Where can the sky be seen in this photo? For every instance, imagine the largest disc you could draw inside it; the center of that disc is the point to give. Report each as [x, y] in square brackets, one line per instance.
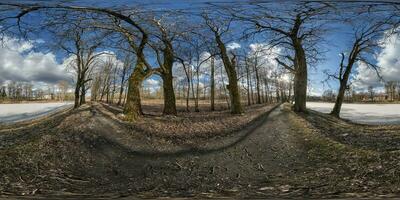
[31, 61]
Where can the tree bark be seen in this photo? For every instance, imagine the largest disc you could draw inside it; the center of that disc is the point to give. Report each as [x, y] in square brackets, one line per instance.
[343, 79]
[212, 85]
[196, 100]
[230, 68]
[188, 83]
[248, 85]
[121, 91]
[169, 94]
[83, 95]
[257, 84]
[133, 108]
[77, 92]
[339, 100]
[300, 79]
[168, 86]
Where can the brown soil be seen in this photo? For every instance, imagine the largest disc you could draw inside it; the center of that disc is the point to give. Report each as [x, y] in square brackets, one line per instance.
[90, 153]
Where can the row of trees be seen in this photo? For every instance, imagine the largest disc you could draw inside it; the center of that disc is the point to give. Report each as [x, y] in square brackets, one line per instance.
[18, 91]
[391, 93]
[159, 40]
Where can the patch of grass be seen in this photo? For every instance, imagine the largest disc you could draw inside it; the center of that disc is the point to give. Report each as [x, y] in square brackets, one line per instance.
[344, 167]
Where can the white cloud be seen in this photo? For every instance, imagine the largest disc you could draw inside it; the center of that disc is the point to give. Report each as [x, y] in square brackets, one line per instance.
[389, 59]
[152, 83]
[389, 62]
[19, 62]
[233, 45]
[365, 77]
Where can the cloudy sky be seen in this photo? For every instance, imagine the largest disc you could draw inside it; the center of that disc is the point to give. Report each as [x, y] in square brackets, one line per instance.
[388, 59]
[21, 61]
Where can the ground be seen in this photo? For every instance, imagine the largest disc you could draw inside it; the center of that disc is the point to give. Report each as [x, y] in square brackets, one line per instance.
[90, 152]
[376, 114]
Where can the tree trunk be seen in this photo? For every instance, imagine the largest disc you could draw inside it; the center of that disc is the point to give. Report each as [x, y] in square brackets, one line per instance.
[188, 85]
[196, 100]
[290, 92]
[339, 100]
[83, 95]
[300, 79]
[77, 92]
[230, 68]
[212, 86]
[226, 99]
[133, 106]
[188, 96]
[258, 86]
[169, 94]
[267, 100]
[251, 90]
[166, 75]
[121, 91]
[342, 89]
[248, 85]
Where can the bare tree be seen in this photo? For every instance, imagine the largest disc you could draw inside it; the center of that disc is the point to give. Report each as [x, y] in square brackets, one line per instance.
[371, 93]
[63, 89]
[218, 27]
[123, 73]
[296, 28]
[390, 87]
[80, 42]
[367, 38]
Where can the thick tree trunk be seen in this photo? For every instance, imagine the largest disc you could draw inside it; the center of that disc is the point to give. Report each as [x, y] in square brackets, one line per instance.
[230, 68]
[83, 95]
[169, 94]
[236, 107]
[212, 85]
[166, 75]
[300, 89]
[133, 106]
[300, 79]
[223, 87]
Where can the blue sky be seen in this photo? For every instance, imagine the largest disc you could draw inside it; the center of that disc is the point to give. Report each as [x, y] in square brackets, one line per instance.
[336, 41]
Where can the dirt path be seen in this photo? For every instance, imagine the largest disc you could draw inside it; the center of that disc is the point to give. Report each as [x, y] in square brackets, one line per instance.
[282, 155]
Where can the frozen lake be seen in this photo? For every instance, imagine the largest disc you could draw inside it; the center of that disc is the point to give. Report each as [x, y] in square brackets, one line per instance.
[363, 113]
[27, 111]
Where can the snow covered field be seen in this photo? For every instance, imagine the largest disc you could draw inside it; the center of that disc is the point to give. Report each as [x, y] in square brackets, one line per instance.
[27, 111]
[363, 113]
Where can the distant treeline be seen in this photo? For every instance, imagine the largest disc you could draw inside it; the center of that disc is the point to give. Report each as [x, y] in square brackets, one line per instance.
[23, 91]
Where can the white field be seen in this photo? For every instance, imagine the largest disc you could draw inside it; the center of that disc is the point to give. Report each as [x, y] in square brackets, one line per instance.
[363, 113]
[27, 111]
